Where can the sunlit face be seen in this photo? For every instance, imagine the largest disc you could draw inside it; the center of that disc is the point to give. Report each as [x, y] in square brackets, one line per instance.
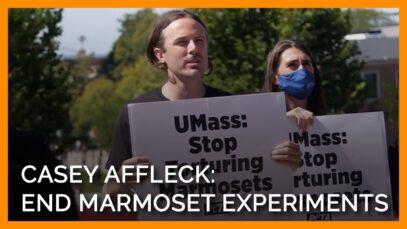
[291, 60]
[185, 49]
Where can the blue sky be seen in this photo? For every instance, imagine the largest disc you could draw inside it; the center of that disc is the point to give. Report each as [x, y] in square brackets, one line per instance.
[100, 27]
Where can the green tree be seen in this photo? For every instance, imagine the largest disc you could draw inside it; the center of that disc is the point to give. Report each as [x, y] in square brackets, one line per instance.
[323, 32]
[38, 82]
[364, 19]
[137, 79]
[391, 104]
[79, 72]
[239, 40]
[132, 41]
[95, 111]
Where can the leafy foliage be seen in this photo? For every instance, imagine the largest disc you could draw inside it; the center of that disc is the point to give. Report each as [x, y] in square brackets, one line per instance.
[323, 32]
[79, 72]
[38, 82]
[95, 111]
[132, 42]
[364, 19]
[239, 40]
[137, 79]
[391, 104]
[41, 87]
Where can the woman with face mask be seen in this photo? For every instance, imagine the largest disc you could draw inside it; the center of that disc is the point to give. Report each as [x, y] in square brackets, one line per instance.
[291, 68]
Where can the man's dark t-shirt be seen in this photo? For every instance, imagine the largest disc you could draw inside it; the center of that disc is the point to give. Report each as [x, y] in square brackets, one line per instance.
[121, 147]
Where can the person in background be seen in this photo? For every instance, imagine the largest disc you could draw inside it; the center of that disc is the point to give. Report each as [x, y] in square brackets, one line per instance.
[291, 68]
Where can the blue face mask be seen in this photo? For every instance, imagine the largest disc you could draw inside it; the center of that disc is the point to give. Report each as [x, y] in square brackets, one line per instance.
[298, 84]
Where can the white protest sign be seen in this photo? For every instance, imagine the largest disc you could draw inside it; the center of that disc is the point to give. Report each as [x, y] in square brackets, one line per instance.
[344, 154]
[233, 134]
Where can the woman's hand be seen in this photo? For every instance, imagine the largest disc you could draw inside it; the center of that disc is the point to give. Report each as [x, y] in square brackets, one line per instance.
[303, 118]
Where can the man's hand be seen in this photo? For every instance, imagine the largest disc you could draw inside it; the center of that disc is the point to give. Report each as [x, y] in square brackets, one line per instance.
[288, 154]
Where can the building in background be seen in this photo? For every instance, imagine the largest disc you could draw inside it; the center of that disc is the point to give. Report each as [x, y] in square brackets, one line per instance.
[380, 50]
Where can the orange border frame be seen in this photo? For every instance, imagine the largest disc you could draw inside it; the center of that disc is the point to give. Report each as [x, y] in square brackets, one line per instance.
[5, 4]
